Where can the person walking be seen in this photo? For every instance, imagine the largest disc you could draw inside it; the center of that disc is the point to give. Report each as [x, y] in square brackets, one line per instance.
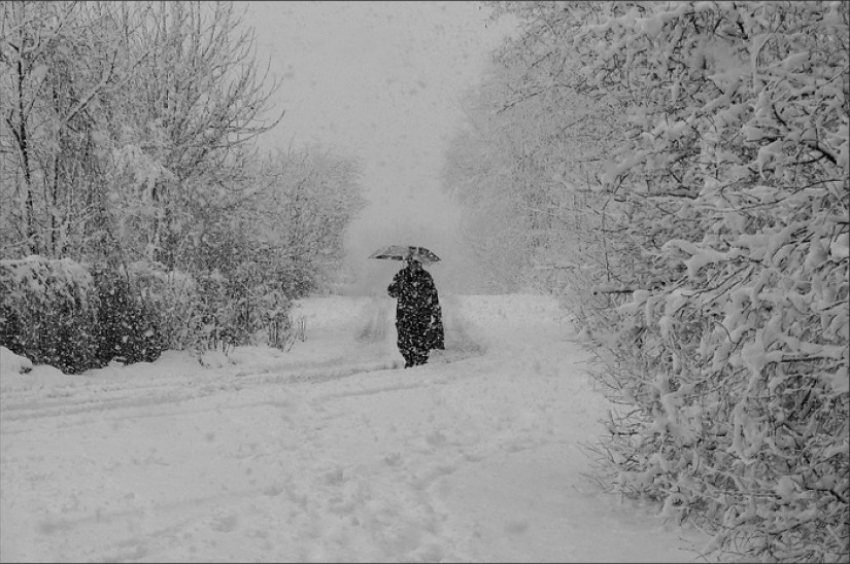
[419, 318]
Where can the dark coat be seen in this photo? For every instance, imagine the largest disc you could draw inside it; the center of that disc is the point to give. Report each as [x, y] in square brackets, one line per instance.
[419, 318]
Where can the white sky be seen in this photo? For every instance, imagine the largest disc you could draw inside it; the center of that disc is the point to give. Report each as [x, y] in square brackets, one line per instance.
[380, 81]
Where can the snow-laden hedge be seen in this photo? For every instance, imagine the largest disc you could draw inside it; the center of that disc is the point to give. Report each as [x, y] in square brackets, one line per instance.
[735, 369]
[48, 312]
[698, 154]
[738, 381]
[57, 312]
[61, 313]
[213, 311]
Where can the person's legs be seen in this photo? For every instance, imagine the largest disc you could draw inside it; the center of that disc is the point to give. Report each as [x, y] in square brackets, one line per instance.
[403, 342]
[411, 342]
[422, 342]
[411, 358]
[419, 356]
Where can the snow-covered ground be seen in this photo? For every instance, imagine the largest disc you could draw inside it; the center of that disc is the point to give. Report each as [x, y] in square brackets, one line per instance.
[328, 452]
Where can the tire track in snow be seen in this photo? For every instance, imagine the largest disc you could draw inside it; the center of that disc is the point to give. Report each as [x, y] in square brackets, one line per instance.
[76, 399]
[43, 406]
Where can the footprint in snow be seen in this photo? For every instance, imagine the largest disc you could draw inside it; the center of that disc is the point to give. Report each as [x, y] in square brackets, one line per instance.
[224, 523]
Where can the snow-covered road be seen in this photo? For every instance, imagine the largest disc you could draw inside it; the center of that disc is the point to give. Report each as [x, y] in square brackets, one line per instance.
[328, 452]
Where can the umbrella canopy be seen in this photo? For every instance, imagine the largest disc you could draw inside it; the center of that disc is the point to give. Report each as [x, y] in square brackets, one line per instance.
[405, 252]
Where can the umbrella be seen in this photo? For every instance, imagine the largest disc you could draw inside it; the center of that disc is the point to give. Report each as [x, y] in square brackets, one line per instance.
[404, 252]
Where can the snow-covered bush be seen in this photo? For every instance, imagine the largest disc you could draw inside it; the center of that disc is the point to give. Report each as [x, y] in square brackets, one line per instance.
[128, 325]
[48, 312]
[241, 310]
[272, 324]
[169, 295]
[216, 311]
[194, 311]
[260, 302]
[720, 265]
[56, 312]
[741, 374]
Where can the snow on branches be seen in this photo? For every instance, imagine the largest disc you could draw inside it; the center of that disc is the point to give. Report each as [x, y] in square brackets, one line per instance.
[733, 181]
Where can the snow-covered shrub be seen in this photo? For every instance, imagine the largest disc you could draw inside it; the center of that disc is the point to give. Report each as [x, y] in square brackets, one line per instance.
[738, 401]
[128, 325]
[259, 304]
[273, 325]
[739, 383]
[213, 311]
[48, 312]
[170, 296]
[194, 311]
[241, 310]
[723, 330]
[216, 314]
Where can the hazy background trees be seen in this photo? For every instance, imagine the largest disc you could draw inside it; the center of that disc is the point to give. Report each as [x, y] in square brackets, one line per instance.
[128, 138]
[312, 196]
[678, 174]
[527, 154]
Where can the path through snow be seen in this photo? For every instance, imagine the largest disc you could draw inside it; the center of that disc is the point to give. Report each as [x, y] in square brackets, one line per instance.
[330, 452]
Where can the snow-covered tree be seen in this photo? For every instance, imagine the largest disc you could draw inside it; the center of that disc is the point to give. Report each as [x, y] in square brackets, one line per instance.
[56, 67]
[181, 131]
